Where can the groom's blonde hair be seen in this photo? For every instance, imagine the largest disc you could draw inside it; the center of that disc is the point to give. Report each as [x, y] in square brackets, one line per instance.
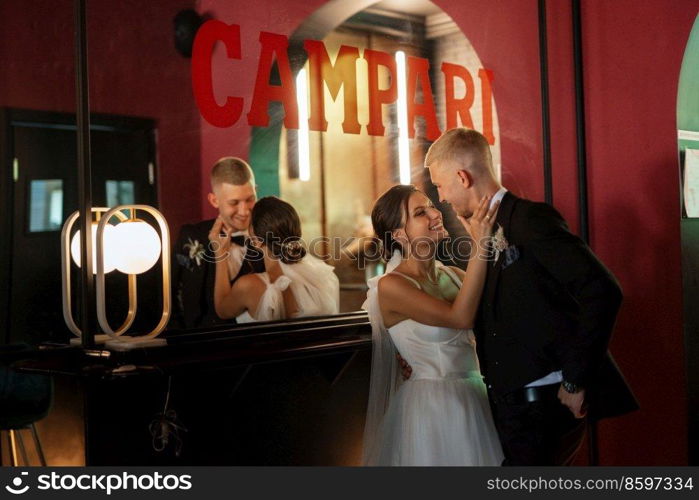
[454, 145]
[232, 170]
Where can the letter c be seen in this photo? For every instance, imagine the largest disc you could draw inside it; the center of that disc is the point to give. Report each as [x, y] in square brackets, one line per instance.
[209, 33]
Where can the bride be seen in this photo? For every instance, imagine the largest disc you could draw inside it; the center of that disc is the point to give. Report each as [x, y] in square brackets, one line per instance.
[294, 283]
[424, 311]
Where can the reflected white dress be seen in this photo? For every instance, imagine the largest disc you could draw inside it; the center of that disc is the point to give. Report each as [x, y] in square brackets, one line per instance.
[441, 414]
[315, 287]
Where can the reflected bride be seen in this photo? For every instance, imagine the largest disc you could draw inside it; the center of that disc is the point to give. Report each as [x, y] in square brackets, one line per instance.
[295, 283]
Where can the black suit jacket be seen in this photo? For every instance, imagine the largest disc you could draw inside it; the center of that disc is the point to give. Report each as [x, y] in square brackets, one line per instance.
[548, 304]
[193, 281]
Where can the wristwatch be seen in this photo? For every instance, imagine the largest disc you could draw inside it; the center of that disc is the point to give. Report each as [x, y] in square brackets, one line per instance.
[570, 387]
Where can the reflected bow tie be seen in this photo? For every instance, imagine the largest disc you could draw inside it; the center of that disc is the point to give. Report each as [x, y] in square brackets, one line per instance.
[239, 240]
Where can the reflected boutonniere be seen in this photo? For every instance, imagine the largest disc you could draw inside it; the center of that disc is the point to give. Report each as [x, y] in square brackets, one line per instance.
[196, 250]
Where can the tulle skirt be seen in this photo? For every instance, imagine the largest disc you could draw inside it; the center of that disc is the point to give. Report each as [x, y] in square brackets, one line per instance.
[439, 422]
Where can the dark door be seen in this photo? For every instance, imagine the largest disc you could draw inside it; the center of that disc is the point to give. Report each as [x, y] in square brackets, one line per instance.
[40, 176]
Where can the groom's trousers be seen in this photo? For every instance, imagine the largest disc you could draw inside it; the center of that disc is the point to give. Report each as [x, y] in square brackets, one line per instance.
[539, 432]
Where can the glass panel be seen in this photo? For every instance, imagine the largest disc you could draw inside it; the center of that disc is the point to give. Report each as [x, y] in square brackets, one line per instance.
[46, 205]
[330, 172]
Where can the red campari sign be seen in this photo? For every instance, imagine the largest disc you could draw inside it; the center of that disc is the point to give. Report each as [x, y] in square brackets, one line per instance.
[340, 74]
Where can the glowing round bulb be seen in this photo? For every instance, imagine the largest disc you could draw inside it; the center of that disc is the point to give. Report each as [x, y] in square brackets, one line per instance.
[138, 246]
[108, 238]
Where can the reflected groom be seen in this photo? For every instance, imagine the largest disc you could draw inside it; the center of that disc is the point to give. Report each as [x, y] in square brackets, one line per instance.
[233, 194]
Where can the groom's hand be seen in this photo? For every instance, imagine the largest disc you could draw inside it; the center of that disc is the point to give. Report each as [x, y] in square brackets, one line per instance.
[405, 368]
[574, 401]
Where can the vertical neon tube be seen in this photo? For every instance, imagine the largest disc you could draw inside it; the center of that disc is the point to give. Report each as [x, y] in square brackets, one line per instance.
[402, 107]
[304, 147]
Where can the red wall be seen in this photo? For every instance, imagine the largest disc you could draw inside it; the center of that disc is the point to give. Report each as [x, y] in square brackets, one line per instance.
[134, 70]
[36, 53]
[633, 53]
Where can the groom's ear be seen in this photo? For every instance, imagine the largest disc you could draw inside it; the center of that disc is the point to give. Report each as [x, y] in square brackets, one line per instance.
[465, 178]
[213, 200]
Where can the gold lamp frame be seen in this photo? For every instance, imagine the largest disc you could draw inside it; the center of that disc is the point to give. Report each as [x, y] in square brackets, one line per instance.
[67, 285]
[115, 338]
[118, 340]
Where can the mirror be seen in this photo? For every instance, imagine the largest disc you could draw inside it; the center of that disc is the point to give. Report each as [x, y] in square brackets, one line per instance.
[153, 143]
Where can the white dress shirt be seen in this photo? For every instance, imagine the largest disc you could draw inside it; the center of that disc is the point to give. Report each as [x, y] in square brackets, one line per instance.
[236, 254]
[497, 197]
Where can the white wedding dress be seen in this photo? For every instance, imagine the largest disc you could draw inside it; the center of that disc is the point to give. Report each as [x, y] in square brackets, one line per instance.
[315, 287]
[440, 415]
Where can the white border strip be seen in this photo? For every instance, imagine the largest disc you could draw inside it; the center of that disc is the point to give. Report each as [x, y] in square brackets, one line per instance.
[688, 135]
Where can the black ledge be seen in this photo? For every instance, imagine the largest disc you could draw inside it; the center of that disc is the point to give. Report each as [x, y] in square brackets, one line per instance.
[227, 346]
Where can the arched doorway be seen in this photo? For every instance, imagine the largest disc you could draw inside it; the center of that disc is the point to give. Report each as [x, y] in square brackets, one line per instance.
[345, 172]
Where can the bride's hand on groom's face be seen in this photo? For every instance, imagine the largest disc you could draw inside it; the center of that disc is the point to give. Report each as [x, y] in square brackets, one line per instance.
[220, 237]
[480, 224]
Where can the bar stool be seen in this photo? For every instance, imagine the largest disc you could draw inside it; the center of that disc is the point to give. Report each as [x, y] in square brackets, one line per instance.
[24, 400]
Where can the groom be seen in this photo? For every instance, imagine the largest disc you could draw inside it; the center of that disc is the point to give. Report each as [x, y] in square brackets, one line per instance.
[546, 315]
[233, 194]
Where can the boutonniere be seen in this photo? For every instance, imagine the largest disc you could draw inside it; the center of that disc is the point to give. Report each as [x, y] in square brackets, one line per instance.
[196, 250]
[499, 242]
[502, 246]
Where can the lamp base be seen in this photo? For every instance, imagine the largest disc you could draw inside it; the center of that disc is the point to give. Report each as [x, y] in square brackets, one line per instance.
[99, 339]
[133, 343]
